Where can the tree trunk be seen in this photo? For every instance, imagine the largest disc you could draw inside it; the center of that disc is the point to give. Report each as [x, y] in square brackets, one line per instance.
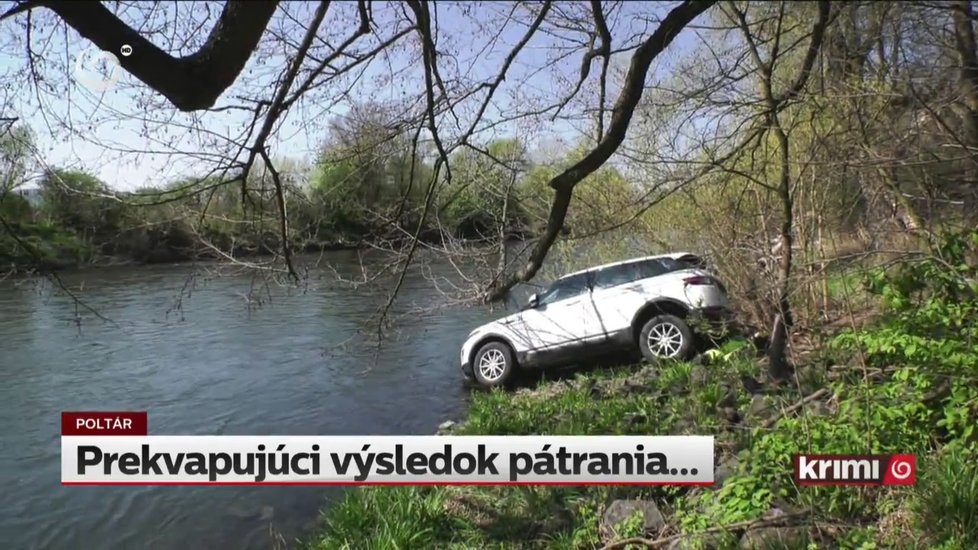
[964, 41]
[778, 367]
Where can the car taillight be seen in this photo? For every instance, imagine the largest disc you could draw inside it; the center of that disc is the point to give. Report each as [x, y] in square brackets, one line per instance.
[698, 280]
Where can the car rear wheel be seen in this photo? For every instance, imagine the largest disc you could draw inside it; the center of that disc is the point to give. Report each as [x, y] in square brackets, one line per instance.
[494, 365]
[666, 337]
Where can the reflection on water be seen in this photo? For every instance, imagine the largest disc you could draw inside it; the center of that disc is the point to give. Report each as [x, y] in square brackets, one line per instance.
[206, 364]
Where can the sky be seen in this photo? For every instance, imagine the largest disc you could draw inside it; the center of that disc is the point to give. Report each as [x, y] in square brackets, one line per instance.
[131, 138]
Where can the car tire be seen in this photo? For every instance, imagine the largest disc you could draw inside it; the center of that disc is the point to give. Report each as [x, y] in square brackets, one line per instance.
[666, 337]
[494, 365]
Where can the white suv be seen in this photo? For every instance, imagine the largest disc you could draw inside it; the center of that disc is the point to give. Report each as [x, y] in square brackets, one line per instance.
[643, 304]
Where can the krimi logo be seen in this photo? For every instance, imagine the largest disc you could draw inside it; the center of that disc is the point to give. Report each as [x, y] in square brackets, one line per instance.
[855, 469]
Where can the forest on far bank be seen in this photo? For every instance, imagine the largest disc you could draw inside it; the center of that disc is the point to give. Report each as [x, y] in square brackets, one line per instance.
[362, 190]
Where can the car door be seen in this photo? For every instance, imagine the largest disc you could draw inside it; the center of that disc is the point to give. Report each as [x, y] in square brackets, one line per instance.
[564, 315]
[615, 295]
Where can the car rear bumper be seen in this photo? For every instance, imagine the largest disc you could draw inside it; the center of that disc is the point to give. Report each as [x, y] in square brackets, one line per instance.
[467, 371]
[716, 313]
[717, 319]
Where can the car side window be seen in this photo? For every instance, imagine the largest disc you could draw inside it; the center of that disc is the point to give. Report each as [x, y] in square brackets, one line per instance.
[616, 275]
[565, 288]
[651, 268]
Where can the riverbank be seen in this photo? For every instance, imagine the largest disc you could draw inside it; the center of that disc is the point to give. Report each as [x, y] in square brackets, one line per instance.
[65, 253]
[44, 259]
[29, 248]
[885, 388]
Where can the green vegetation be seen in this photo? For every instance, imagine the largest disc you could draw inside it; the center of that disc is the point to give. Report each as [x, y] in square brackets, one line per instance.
[903, 384]
[365, 186]
[41, 244]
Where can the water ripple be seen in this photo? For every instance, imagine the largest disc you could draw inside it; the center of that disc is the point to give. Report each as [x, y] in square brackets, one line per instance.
[213, 367]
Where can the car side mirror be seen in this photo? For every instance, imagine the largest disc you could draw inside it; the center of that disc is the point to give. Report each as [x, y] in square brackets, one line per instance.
[532, 302]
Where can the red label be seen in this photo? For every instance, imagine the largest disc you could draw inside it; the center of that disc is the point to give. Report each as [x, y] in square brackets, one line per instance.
[855, 469]
[104, 423]
[902, 470]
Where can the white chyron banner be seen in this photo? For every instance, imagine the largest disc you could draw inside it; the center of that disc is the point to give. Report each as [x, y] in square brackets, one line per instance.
[378, 460]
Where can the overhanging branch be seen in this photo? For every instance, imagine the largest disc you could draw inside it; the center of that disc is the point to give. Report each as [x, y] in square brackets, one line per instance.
[621, 117]
[191, 83]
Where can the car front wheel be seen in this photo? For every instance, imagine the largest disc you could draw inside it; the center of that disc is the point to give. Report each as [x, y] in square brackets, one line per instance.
[494, 365]
[665, 337]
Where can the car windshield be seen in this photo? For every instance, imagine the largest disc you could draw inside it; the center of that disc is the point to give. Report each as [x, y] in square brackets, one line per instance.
[562, 289]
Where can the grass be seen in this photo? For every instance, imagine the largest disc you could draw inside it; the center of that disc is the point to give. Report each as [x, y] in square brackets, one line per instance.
[848, 287]
[623, 401]
[844, 284]
[511, 517]
[946, 501]
[671, 399]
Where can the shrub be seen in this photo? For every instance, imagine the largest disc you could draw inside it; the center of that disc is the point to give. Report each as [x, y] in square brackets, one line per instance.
[945, 501]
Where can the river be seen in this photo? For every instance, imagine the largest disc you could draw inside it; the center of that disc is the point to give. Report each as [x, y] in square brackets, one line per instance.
[211, 362]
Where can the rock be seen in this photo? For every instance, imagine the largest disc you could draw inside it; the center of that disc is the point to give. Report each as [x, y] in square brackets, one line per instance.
[760, 341]
[751, 384]
[818, 408]
[685, 426]
[729, 399]
[445, 427]
[709, 541]
[774, 537]
[622, 510]
[724, 471]
[636, 388]
[647, 374]
[634, 419]
[774, 513]
[730, 414]
[758, 406]
[699, 375]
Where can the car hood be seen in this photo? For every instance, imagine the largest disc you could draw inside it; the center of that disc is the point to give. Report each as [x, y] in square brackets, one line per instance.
[498, 324]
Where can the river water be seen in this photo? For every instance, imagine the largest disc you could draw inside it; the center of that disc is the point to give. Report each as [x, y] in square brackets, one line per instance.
[209, 361]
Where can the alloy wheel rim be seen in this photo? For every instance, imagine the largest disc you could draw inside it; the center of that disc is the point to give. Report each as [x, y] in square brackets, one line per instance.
[492, 364]
[665, 340]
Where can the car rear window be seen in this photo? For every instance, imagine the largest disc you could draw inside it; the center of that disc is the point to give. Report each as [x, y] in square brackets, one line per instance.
[644, 269]
[660, 266]
[652, 268]
[692, 261]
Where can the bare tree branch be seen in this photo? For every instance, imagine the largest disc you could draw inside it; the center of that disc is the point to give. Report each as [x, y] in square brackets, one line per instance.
[563, 184]
[192, 82]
